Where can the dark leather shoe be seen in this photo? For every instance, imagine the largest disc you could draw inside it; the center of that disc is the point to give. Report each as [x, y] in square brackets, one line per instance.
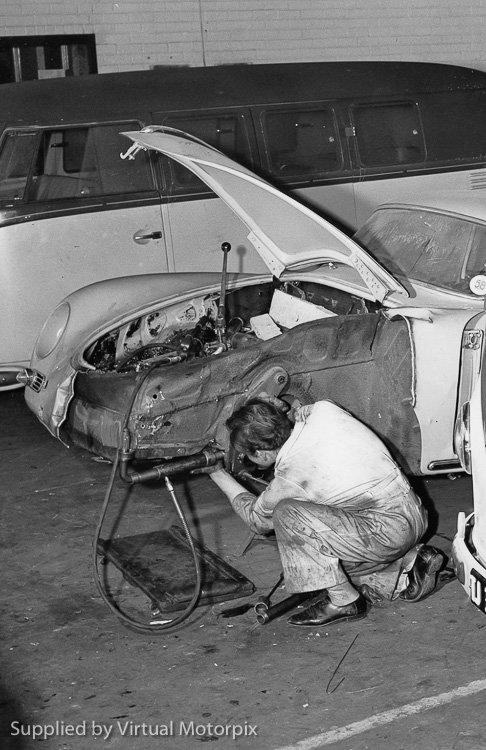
[422, 578]
[323, 612]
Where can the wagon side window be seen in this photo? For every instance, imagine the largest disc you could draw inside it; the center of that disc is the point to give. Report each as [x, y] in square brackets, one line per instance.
[301, 143]
[16, 156]
[227, 133]
[81, 162]
[388, 134]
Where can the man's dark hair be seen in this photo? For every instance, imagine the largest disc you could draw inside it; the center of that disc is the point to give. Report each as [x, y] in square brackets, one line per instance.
[258, 425]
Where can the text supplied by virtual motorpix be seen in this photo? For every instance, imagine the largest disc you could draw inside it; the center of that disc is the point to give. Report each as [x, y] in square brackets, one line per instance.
[131, 729]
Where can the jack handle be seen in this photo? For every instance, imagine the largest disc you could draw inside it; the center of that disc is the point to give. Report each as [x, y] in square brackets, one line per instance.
[266, 614]
[263, 602]
[221, 315]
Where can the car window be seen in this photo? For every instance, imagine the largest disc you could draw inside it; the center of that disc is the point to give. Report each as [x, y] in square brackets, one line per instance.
[301, 143]
[388, 134]
[449, 139]
[434, 248]
[227, 133]
[16, 157]
[71, 162]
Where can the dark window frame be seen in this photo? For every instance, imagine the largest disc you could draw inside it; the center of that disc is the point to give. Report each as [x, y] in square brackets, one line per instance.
[22, 57]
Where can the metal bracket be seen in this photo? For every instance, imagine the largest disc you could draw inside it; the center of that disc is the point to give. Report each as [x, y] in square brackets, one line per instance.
[132, 152]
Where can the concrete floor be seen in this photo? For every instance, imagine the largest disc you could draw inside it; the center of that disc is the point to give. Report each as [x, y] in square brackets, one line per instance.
[408, 676]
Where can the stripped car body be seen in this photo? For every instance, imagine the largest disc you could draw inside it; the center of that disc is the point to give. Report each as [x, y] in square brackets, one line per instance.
[328, 322]
[184, 408]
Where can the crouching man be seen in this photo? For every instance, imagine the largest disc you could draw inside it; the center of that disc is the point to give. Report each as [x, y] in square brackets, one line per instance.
[346, 520]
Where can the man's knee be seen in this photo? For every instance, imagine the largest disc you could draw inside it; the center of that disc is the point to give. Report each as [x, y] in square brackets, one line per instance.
[286, 513]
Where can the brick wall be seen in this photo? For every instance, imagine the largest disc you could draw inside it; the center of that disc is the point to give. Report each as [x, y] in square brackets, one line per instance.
[137, 34]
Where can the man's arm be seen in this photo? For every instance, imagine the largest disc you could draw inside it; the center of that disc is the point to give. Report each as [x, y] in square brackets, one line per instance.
[243, 502]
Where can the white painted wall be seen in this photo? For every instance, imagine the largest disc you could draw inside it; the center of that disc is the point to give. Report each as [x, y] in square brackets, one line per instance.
[138, 34]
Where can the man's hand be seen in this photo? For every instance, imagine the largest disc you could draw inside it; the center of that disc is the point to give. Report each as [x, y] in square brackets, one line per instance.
[302, 412]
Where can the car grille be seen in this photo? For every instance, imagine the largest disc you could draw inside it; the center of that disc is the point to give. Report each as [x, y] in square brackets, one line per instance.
[37, 381]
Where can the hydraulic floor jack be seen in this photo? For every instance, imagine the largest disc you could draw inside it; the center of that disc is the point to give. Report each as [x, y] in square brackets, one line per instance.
[174, 570]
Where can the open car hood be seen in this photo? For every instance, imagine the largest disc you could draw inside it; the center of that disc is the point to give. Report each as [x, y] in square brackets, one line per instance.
[286, 234]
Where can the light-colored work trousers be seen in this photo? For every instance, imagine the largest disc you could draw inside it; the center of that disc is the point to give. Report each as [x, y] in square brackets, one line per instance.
[365, 540]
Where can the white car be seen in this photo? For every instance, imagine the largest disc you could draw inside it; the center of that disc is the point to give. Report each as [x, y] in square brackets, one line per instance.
[469, 545]
[158, 362]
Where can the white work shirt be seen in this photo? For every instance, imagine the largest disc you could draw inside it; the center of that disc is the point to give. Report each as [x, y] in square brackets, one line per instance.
[331, 458]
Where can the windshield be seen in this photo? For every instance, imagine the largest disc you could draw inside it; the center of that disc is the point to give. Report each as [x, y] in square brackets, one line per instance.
[437, 249]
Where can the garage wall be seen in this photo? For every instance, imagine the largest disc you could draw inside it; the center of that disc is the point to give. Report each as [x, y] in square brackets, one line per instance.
[137, 34]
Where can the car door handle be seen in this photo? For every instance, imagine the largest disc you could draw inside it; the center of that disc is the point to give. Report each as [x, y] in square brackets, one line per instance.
[142, 238]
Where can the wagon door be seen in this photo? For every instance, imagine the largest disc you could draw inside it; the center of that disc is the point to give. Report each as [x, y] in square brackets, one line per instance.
[74, 213]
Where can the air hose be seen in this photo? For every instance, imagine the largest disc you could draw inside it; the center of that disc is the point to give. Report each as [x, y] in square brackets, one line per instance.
[130, 621]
